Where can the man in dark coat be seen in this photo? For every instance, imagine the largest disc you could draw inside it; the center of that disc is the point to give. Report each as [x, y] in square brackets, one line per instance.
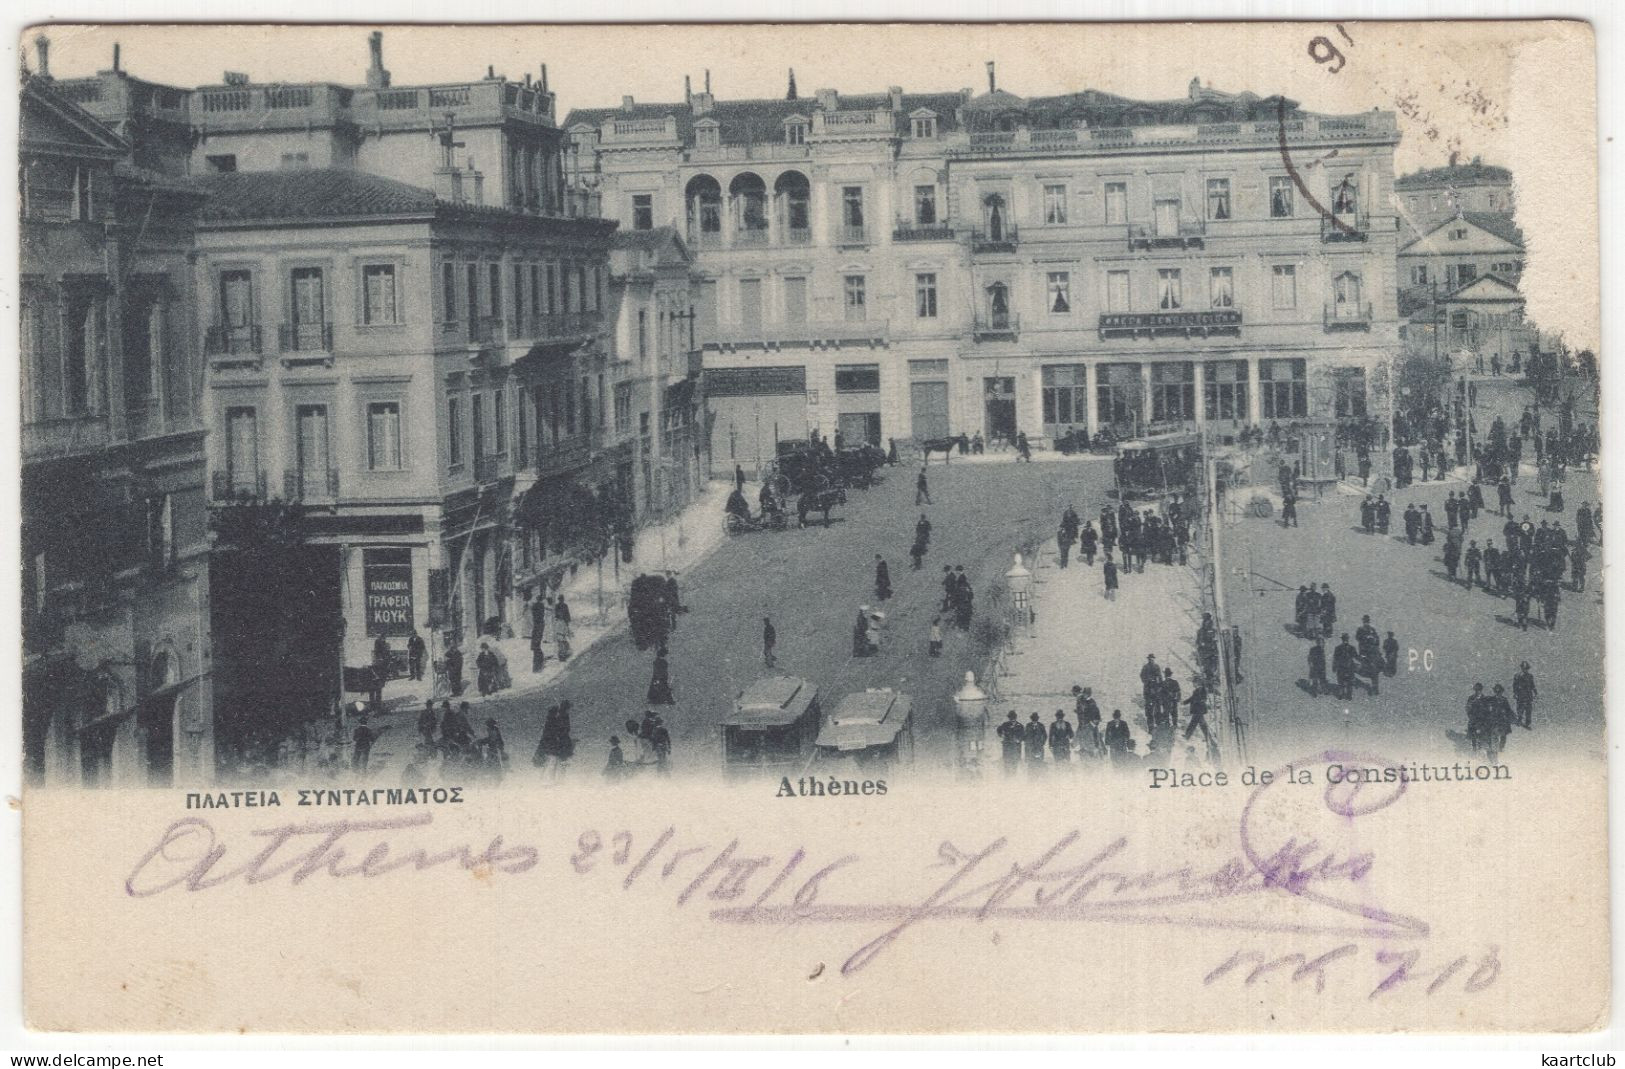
[1523, 692]
[454, 669]
[1344, 659]
[1390, 654]
[415, 651]
[1170, 694]
[1088, 542]
[1037, 738]
[1317, 668]
[1117, 736]
[1474, 559]
[882, 579]
[1198, 717]
[922, 531]
[1011, 735]
[1150, 687]
[1060, 739]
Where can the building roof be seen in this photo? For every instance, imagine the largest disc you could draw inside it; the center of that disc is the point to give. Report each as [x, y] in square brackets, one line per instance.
[51, 120]
[644, 240]
[1476, 173]
[321, 193]
[742, 122]
[1501, 224]
[1485, 284]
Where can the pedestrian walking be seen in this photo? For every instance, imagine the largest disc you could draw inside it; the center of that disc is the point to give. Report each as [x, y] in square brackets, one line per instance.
[1063, 543]
[660, 680]
[934, 639]
[1317, 668]
[426, 723]
[1036, 738]
[1088, 541]
[1390, 654]
[1060, 739]
[1023, 450]
[922, 491]
[1289, 510]
[770, 639]
[415, 653]
[562, 629]
[485, 667]
[1109, 574]
[1011, 737]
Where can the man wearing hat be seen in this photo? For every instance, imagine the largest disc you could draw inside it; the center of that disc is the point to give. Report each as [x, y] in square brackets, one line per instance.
[1523, 692]
[1010, 737]
[1037, 737]
[1060, 738]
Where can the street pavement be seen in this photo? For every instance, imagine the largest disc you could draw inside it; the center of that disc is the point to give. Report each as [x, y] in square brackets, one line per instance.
[1460, 637]
[811, 583]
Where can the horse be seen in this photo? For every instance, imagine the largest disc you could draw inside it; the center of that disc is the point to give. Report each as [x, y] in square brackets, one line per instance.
[945, 446]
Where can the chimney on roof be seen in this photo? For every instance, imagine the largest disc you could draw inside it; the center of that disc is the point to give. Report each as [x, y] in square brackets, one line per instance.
[708, 81]
[1195, 91]
[527, 79]
[790, 94]
[896, 94]
[490, 72]
[42, 46]
[377, 76]
[544, 77]
[115, 57]
[992, 84]
[627, 102]
[688, 90]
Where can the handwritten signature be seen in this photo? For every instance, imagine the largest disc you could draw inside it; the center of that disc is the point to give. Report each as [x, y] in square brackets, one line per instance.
[1073, 879]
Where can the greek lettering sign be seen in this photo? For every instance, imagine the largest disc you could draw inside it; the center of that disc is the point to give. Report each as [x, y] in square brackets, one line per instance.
[387, 588]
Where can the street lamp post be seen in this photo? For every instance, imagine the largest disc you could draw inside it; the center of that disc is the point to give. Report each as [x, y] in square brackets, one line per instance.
[970, 708]
[1020, 583]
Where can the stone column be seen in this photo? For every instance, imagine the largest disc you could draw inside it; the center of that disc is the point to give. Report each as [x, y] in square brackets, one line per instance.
[1255, 395]
[1091, 383]
[1145, 395]
[1199, 374]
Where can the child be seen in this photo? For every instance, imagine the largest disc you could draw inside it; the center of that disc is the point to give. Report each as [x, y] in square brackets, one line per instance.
[936, 636]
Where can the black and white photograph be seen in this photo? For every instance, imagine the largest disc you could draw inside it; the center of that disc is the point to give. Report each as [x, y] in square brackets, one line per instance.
[549, 419]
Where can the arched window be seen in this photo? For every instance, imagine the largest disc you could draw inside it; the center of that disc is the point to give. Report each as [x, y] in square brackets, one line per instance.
[792, 200]
[704, 197]
[747, 200]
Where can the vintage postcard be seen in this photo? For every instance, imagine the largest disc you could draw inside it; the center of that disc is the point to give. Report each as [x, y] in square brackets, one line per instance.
[1084, 528]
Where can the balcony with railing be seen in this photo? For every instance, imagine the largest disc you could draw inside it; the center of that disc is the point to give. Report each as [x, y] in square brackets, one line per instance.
[1347, 315]
[909, 232]
[797, 235]
[561, 326]
[805, 334]
[305, 337]
[474, 103]
[231, 486]
[847, 125]
[1380, 125]
[564, 455]
[750, 237]
[270, 106]
[1217, 322]
[310, 484]
[997, 326]
[46, 439]
[848, 234]
[1002, 241]
[221, 340]
[1345, 226]
[1185, 234]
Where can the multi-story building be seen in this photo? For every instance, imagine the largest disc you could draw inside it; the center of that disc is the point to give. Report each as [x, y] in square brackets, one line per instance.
[404, 323]
[116, 640]
[900, 265]
[657, 406]
[1432, 195]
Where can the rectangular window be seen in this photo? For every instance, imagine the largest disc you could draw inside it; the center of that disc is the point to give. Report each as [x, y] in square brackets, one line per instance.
[1218, 198]
[1221, 287]
[1055, 205]
[1065, 397]
[1281, 197]
[795, 133]
[519, 295]
[472, 279]
[925, 127]
[925, 205]
[454, 431]
[1285, 393]
[852, 207]
[1419, 275]
[236, 300]
[643, 334]
[795, 300]
[311, 446]
[499, 421]
[476, 425]
[379, 303]
[493, 290]
[1224, 382]
[1165, 214]
[84, 204]
[384, 436]
[857, 308]
[536, 289]
[643, 211]
[1284, 286]
[925, 296]
[160, 531]
[750, 303]
[1117, 292]
[1465, 273]
[242, 450]
[1348, 392]
[1060, 293]
[1170, 291]
[448, 292]
[623, 407]
[1173, 391]
[1116, 202]
[857, 378]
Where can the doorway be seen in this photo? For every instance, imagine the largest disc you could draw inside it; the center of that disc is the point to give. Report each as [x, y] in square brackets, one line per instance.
[1000, 402]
